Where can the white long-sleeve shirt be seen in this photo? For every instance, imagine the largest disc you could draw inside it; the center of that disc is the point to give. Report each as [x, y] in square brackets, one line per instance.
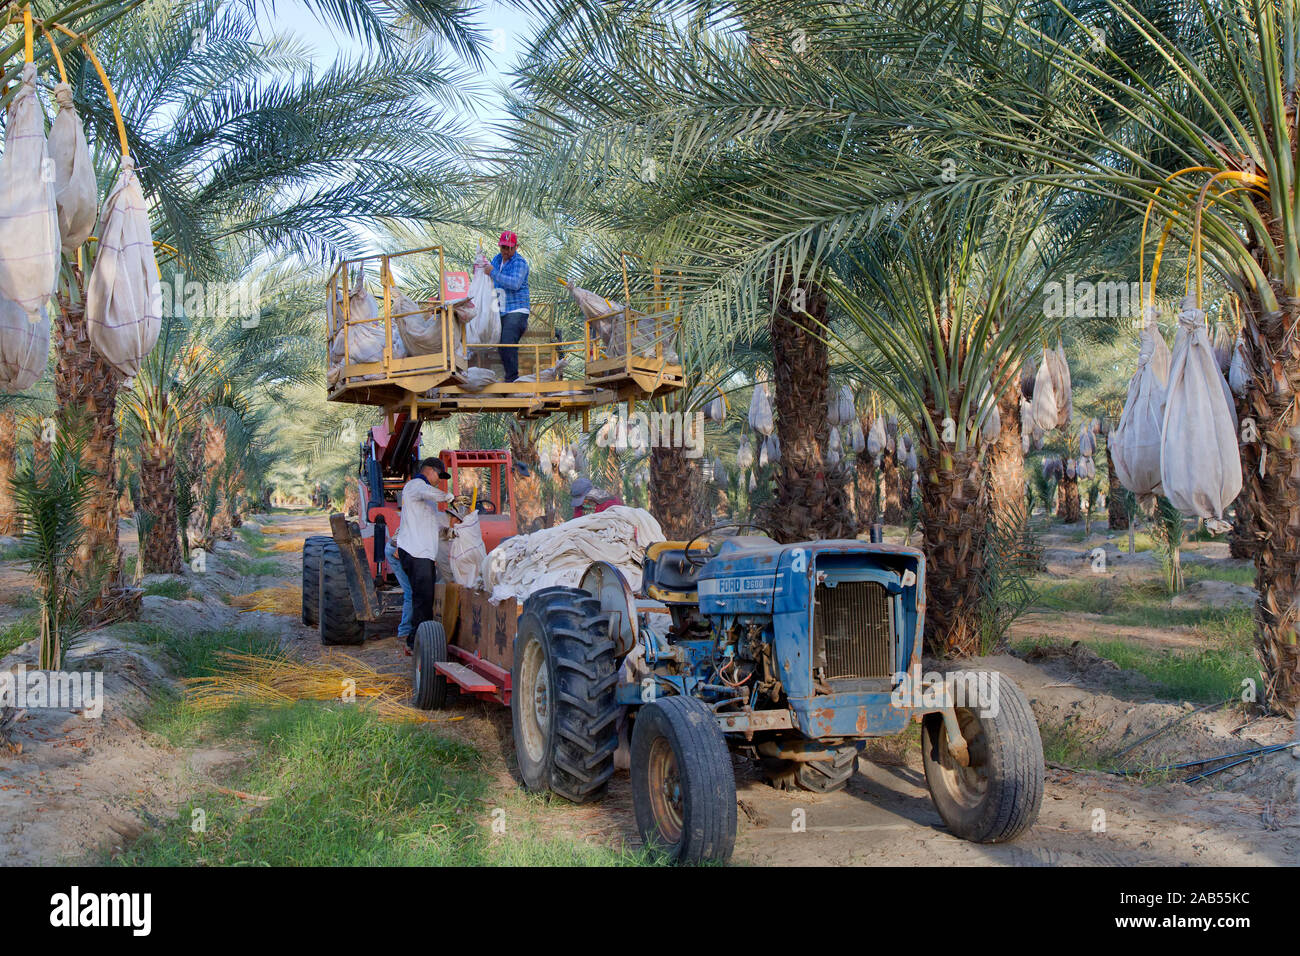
[417, 535]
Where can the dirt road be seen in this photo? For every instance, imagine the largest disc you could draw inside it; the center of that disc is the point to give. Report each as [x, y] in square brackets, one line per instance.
[101, 793]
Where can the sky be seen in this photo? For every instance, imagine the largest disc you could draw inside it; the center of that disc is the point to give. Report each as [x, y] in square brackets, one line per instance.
[504, 27]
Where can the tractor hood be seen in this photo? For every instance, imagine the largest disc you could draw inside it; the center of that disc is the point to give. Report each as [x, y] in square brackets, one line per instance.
[756, 575]
[741, 579]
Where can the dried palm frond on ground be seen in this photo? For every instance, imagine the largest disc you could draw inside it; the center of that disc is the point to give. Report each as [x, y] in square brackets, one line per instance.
[283, 680]
[282, 600]
[290, 546]
[9, 716]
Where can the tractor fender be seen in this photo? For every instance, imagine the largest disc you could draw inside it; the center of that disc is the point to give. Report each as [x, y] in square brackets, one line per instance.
[606, 583]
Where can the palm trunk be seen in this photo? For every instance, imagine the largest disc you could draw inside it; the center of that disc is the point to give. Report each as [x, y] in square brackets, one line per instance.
[86, 389]
[8, 449]
[676, 490]
[811, 499]
[955, 503]
[1272, 499]
[528, 506]
[1067, 500]
[865, 499]
[1116, 516]
[214, 464]
[1241, 543]
[892, 482]
[160, 548]
[1007, 462]
[467, 425]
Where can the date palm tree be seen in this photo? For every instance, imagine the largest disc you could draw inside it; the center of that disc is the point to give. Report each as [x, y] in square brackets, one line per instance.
[950, 300]
[244, 149]
[1189, 108]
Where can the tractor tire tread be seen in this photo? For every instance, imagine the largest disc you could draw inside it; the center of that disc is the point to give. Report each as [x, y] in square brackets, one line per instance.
[704, 762]
[586, 673]
[338, 616]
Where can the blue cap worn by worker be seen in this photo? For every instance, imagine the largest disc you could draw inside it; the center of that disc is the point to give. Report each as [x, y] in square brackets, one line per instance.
[579, 490]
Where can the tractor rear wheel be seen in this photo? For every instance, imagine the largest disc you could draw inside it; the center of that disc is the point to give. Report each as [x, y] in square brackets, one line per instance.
[995, 796]
[815, 776]
[683, 784]
[430, 648]
[563, 715]
[338, 615]
[311, 552]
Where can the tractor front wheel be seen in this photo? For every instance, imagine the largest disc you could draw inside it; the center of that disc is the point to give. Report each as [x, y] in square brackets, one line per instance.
[995, 795]
[683, 785]
[563, 714]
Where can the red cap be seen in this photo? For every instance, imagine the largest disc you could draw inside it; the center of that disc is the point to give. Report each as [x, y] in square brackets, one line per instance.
[508, 239]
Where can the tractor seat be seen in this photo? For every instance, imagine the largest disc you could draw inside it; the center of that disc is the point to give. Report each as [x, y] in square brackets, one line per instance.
[668, 576]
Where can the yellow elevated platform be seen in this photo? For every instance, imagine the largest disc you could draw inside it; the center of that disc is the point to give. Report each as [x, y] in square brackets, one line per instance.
[401, 348]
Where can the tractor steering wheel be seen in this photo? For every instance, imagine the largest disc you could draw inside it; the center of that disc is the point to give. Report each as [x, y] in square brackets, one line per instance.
[708, 552]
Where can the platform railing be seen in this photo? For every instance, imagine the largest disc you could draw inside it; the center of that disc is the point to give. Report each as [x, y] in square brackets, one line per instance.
[631, 345]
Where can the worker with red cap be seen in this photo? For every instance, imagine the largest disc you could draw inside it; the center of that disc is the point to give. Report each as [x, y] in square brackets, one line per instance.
[509, 272]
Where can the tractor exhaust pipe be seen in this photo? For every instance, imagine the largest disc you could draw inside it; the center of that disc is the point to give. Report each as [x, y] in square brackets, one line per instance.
[877, 533]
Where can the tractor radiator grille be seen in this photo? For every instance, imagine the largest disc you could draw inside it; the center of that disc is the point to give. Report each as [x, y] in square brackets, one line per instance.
[853, 630]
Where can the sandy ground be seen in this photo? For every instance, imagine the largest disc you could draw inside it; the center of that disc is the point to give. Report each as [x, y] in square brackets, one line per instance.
[82, 786]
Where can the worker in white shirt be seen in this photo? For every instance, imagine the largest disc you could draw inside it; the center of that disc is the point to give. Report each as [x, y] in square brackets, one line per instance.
[417, 540]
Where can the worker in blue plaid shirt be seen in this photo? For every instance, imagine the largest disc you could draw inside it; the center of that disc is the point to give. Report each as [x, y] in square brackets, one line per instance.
[509, 274]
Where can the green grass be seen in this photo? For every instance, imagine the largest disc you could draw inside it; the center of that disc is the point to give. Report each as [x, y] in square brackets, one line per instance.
[18, 632]
[259, 543]
[341, 787]
[1068, 746]
[1206, 676]
[1214, 672]
[25, 599]
[176, 590]
[248, 567]
[198, 654]
[1234, 573]
[1140, 603]
[1210, 674]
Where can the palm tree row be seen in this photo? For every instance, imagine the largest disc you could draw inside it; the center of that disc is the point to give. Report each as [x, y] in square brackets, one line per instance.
[248, 155]
[774, 148]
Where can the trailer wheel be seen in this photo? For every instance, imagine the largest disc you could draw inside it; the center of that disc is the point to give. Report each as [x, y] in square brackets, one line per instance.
[683, 785]
[311, 552]
[563, 715]
[815, 776]
[338, 615]
[430, 648]
[996, 797]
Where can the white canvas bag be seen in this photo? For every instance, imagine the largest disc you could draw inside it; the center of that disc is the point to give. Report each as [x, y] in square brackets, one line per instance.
[1135, 443]
[29, 218]
[24, 347]
[76, 191]
[1200, 464]
[123, 298]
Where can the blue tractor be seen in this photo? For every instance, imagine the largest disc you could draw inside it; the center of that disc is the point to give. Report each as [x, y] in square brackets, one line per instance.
[791, 655]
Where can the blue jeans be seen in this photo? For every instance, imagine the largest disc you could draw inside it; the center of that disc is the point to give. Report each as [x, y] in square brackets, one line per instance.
[513, 326]
[390, 553]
